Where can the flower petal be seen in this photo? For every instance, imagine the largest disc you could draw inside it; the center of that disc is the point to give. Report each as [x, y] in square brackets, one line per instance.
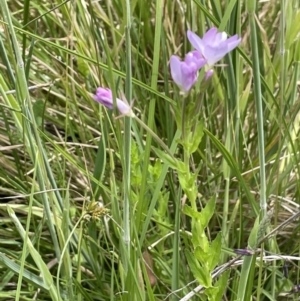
[175, 65]
[195, 58]
[123, 107]
[214, 45]
[233, 42]
[104, 96]
[189, 76]
[210, 36]
[185, 73]
[213, 54]
[196, 41]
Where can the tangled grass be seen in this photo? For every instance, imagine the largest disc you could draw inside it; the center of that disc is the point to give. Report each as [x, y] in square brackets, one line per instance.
[93, 207]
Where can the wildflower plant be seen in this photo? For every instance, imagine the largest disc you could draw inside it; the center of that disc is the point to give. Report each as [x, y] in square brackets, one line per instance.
[204, 255]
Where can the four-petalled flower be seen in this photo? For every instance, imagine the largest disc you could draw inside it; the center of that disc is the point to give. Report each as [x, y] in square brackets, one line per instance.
[214, 45]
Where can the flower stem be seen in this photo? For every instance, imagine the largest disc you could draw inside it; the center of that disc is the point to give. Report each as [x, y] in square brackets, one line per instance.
[158, 140]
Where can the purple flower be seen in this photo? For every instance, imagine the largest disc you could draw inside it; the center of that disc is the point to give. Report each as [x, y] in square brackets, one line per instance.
[104, 96]
[214, 45]
[185, 73]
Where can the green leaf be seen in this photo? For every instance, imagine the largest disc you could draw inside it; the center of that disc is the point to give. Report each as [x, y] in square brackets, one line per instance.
[38, 111]
[199, 237]
[205, 215]
[155, 170]
[182, 168]
[201, 273]
[183, 180]
[264, 224]
[14, 267]
[202, 253]
[188, 184]
[293, 31]
[43, 269]
[246, 278]
[196, 137]
[222, 284]
[252, 241]
[235, 169]
[207, 212]
[215, 251]
[135, 155]
[205, 252]
[99, 167]
[189, 211]
[166, 158]
[211, 292]
[83, 66]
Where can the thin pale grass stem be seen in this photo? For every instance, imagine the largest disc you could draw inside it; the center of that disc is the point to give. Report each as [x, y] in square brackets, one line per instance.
[127, 137]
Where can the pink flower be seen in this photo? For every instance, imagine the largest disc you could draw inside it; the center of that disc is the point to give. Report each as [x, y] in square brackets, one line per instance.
[104, 96]
[214, 45]
[185, 73]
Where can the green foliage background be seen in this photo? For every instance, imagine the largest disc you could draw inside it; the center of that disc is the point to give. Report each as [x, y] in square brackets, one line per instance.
[93, 207]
